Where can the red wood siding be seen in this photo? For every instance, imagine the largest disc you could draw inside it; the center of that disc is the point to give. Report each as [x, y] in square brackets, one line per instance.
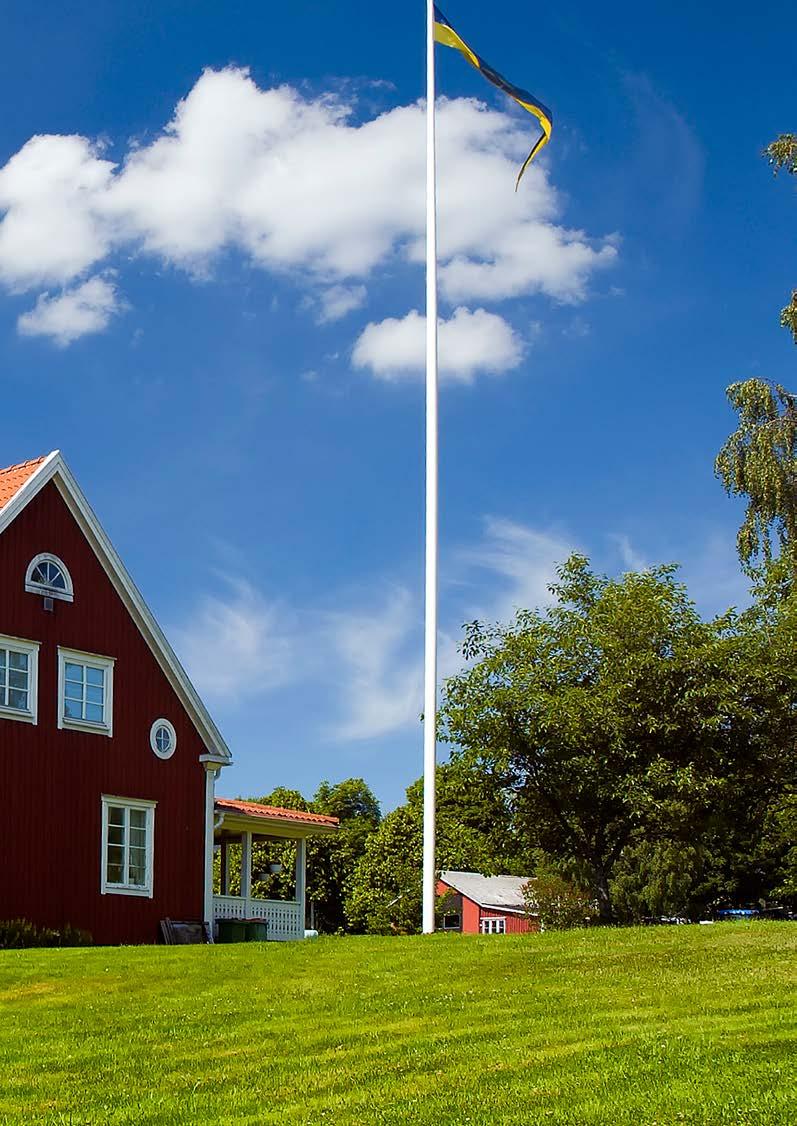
[515, 924]
[472, 915]
[52, 780]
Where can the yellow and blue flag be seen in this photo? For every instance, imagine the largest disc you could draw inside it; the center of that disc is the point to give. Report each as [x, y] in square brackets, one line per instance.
[444, 33]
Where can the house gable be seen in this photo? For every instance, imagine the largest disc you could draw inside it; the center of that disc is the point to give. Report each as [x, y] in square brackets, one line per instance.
[19, 485]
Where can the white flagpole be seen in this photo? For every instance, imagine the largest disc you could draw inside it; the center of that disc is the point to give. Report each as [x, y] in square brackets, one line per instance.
[430, 625]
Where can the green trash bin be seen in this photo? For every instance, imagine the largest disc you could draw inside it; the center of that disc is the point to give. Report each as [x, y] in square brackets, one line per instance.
[256, 930]
[232, 930]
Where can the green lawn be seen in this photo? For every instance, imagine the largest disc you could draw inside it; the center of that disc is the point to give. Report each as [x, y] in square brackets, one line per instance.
[664, 1025]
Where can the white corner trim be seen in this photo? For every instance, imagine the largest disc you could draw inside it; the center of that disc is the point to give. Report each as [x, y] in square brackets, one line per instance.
[88, 660]
[54, 468]
[148, 890]
[23, 645]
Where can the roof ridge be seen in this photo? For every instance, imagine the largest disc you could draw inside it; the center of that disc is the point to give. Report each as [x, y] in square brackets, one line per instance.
[23, 464]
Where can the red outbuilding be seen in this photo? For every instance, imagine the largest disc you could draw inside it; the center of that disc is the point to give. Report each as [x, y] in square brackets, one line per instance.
[109, 757]
[476, 904]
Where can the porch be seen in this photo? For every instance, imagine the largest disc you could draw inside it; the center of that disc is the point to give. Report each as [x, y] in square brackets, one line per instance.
[260, 864]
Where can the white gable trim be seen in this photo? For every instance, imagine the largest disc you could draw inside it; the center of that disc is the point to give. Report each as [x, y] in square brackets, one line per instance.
[55, 469]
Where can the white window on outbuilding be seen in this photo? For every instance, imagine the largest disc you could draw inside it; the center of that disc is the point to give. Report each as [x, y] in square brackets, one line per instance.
[19, 665]
[48, 575]
[85, 691]
[495, 925]
[128, 838]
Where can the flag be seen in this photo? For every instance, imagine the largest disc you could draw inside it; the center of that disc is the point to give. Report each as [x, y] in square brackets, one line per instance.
[444, 33]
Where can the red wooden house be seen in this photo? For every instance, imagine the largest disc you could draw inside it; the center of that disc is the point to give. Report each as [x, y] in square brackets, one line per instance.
[476, 904]
[109, 757]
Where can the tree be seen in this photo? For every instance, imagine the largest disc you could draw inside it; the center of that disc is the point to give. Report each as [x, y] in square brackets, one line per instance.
[759, 461]
[782, 153]
[474, 833]
[559, 904]
[613, 705]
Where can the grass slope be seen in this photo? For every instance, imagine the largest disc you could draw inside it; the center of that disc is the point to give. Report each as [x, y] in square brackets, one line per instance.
[666, 1025]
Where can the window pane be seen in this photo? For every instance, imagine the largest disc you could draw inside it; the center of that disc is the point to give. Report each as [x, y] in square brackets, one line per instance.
[73, 672]
[94, 694]
[138, 838]
[138, 818]
[95, 676]
[17, 679]
[116, 815]
[115, 864]
[137, 868]
[73, 709]
[18, 698]
[94, 713]
[18, 660]
[116, 834]
[3, 656]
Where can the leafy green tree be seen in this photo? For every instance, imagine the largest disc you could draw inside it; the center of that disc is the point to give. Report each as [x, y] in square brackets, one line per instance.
[474, 833]
[559, 904]
[332, 861]
[759, 461]
[612, 705]
[782, 153]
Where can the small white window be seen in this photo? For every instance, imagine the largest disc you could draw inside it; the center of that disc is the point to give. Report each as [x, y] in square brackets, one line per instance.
[85, 692]
[128, 833]
[163, 738]
[46, 574]
[19, 663]
[493, 926]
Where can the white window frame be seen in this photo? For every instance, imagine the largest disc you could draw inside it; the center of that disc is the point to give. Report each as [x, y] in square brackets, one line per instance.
[146, 890]
[163, 755]
[89, 660]
[492, 924]
[31, 587]
[31, 649]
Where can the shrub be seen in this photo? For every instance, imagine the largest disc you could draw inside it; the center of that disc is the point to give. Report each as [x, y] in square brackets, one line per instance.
[559, 904]
[19, 934]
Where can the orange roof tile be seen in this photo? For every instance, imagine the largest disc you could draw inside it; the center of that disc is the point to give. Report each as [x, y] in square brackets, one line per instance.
[274, 813]
[13, 478]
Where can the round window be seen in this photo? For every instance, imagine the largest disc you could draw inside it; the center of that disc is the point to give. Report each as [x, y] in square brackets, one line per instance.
[163, 738]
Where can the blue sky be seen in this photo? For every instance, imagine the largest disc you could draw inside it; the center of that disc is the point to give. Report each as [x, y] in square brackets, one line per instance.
[210, 295]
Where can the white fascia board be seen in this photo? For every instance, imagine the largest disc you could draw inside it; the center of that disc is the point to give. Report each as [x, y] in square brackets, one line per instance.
[54, 468]
[290, 830]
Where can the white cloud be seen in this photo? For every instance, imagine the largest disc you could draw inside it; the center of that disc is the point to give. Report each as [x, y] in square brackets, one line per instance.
[381, 689]
[76, 312]
[339, 300]
[469, 343]
[237, 646]
[296, 185]
[523, 560]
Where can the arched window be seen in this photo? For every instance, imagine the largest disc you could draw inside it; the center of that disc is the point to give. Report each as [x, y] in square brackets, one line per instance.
[46, 574]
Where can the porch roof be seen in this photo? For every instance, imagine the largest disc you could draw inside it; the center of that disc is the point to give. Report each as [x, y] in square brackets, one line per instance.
[263, 816]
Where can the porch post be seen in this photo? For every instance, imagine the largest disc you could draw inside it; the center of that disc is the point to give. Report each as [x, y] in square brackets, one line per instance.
[246, 871]
[301, 865]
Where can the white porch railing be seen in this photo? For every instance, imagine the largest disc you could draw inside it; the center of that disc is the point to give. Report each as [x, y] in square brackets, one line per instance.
[284, 917]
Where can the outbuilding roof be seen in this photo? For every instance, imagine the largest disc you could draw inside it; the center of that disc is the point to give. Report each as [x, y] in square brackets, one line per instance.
[501, 892]
[274, 813]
